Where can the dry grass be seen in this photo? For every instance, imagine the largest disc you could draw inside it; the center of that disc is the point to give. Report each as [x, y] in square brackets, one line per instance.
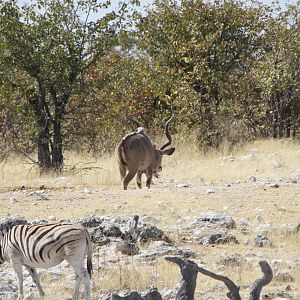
[175, 206]
[277, 159]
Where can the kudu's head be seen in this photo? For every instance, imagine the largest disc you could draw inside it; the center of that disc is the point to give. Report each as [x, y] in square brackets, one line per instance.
[156, 166]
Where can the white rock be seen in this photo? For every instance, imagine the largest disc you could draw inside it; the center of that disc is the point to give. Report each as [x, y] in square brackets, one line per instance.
[258, 209]
[182, 185]
[209, 191]
[87, 191]
[244, 222]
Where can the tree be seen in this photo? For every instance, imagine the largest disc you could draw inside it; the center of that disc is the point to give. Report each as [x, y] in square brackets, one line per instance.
[48, 47]
[209, 47]
[279, 73]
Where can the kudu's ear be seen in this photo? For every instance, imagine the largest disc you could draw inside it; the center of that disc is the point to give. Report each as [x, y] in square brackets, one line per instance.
[169, 151]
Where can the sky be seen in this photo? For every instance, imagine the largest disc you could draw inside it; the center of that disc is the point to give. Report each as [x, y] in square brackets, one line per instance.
[267, 2]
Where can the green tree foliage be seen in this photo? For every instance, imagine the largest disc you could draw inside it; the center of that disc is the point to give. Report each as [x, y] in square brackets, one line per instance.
[48, 46]
[230, 70]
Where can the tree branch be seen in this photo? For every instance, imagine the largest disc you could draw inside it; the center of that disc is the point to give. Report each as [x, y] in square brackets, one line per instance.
[188, 280]
[261, 282]
[189, 271]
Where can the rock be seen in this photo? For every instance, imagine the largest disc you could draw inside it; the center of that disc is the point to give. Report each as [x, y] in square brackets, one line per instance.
[258, 209]
[274, 185]
[36, 193]
[262, 241]
[39, 222]
[183, 185]
[209, 191]
[51, 218]
[150, 294]
[93, 221]
[161, 248]
[8, 288]
[218, 238]
[244, 222]
[87, 191]
[214, 219]
[252, 179]
[149, 233]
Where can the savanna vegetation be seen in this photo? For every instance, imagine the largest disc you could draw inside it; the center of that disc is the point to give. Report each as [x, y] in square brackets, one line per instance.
[69, 69]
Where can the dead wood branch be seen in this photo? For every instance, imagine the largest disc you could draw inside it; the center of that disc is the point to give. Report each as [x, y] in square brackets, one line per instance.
[234, 290]
[261, 282]
[189, 271]
[188, 280]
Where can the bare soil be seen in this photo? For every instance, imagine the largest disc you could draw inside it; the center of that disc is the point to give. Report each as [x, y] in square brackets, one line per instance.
[260, 207]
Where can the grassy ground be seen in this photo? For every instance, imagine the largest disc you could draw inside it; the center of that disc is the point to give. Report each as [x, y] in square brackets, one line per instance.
[263, 159]
[93, 188]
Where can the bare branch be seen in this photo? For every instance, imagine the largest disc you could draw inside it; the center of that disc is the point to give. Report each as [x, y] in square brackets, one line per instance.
[25, 155]
[188, 270]
[188, 283]
[234, 290]
[261, 282]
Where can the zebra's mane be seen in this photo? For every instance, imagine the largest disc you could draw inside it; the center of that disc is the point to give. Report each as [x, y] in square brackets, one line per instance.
[7, 224]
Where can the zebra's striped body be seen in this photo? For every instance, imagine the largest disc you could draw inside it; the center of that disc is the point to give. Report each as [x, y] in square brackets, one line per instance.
[45, 246]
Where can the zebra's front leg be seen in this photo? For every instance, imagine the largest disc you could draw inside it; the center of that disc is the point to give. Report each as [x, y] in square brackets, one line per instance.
[17, 266]
[32, 272]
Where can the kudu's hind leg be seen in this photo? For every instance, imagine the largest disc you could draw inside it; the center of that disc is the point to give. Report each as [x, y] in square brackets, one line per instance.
[149, 178]
[129, 176]
[122, 170]
[139, 179]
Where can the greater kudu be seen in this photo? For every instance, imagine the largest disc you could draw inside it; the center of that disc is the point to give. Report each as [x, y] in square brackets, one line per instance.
[136, 154]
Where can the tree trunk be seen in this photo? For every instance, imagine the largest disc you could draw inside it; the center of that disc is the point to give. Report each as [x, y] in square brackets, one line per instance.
[44, 159]
[38, 103]
[57, 145]
[57, 151]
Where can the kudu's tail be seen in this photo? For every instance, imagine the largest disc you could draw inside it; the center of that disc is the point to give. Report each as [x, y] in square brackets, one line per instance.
[121, 162]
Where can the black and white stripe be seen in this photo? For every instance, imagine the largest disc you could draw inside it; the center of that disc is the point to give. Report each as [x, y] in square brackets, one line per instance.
[45, 246]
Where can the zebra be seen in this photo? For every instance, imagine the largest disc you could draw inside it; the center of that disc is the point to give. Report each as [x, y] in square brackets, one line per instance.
[45, 246]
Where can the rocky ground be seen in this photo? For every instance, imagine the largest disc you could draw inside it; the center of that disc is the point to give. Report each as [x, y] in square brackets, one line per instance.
[225, 227]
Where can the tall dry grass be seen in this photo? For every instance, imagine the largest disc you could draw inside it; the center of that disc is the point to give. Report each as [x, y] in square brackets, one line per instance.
[277, 159]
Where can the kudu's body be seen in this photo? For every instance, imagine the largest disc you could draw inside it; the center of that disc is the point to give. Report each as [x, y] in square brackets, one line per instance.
[136, 154]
